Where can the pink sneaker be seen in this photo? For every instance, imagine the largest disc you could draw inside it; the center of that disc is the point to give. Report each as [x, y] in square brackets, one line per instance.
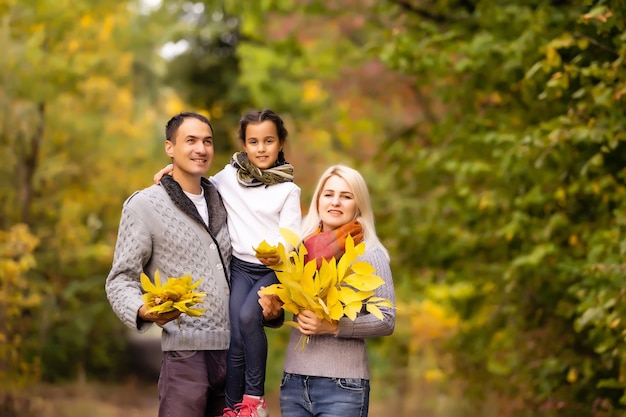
[229, 412]
[252, 407]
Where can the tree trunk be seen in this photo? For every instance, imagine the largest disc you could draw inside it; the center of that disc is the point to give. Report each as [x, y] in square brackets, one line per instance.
[27, 170]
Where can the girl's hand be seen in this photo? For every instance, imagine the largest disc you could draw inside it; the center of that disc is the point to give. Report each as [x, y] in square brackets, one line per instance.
[270, 261]
[165, 171]
[309, 324]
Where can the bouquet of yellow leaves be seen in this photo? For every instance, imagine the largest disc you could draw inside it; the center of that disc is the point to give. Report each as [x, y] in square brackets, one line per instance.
[337, 289]
[175, 294]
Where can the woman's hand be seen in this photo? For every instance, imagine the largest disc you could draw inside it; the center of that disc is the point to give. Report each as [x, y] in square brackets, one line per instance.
[271, 305]
[165, 171]
[310, 324]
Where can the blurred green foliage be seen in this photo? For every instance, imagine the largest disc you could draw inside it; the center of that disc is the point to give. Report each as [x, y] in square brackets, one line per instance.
[491, 134]
[517, 190]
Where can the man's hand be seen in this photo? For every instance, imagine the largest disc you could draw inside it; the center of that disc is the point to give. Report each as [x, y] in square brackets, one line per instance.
[159, 319]
[271, 305]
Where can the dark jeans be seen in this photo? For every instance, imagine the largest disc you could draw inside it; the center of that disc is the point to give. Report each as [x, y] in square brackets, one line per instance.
[247, 355]
[191, 383]
[313, 396]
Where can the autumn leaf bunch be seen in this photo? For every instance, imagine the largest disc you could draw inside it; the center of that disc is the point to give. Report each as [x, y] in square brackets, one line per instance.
[174, 294]
[338, 288]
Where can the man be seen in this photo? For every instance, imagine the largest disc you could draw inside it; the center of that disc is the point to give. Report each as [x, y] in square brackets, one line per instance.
[179, 228]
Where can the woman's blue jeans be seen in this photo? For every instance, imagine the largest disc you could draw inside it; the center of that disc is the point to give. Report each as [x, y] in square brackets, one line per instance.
[308, 396]
[247, 354]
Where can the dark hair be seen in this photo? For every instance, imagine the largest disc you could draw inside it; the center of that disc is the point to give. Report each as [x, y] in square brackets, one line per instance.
[174, 123]
[256, 116]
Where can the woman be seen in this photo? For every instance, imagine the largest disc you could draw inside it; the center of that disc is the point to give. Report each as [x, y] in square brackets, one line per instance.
[329, 377]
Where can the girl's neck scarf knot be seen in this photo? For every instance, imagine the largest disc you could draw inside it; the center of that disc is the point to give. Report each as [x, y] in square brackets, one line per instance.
[327, 245]
[249, 175]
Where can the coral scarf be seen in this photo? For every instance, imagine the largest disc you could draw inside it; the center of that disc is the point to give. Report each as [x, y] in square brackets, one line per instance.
[328, 245]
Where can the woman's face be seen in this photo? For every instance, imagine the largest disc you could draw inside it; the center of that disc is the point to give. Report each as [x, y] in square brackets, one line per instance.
[262, 144]
[336, 204]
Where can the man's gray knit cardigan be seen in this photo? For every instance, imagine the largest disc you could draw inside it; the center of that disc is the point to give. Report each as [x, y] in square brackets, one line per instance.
[160, 228]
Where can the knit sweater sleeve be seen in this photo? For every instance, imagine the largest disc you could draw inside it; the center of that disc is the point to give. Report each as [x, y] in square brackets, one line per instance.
[123, 288]
[367, 325]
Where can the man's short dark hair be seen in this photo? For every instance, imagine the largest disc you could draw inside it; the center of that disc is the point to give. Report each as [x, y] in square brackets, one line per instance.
[174, 123]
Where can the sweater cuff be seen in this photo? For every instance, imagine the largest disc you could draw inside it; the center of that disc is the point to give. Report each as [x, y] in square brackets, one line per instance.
[133, 319]
[275, 323]
[345, 327]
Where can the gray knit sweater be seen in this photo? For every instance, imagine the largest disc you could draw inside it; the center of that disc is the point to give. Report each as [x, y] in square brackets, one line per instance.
[160, 228]
[345, 355]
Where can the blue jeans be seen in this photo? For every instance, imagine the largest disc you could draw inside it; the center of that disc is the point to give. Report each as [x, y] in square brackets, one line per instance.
[313, 396]
[247, 354]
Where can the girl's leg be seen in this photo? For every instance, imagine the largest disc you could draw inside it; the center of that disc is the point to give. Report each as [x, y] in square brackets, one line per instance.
[236, 363]
[253, 336]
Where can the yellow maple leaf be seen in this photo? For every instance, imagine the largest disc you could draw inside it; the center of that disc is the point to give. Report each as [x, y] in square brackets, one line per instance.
[265, 250]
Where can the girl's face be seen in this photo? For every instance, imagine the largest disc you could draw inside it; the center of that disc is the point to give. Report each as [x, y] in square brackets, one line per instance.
[336, 204]
[262, 144]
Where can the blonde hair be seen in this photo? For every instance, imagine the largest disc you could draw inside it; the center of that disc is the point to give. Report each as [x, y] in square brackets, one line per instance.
[364, 212]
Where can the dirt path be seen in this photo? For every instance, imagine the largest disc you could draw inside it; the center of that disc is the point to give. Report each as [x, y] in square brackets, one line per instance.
[131, 399]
